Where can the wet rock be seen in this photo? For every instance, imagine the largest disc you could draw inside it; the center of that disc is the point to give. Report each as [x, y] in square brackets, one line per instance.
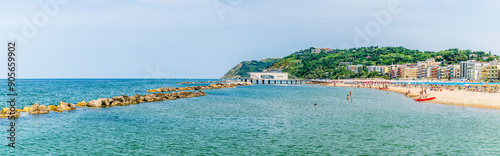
[66, 106]
[82, 104]
[149, 98]
[105, 101]
[26, 109]
[95, 103]
[38, 109]
[55, 108]
[202, 93]
[134, 99]
[118, 99]
[8, 112]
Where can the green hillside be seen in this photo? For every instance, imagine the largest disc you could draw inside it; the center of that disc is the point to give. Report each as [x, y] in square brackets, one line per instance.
[244, 67]
[304, 64]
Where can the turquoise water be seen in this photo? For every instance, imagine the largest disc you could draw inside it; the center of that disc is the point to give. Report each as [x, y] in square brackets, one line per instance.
[249, 120]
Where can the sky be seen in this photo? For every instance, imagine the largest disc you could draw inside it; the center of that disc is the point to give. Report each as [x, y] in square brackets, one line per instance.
[206, 38]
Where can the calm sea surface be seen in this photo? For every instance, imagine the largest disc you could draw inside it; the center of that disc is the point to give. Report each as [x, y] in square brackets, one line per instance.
[249, 120]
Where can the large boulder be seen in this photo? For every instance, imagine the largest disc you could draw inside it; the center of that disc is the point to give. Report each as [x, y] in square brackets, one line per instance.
[117, 100]
[134, 99]
[95, 103]
[149, 98]
[8, 112]
[202, 93]
[43, 109]
[38, 109]
[66, 106]
[105, 101]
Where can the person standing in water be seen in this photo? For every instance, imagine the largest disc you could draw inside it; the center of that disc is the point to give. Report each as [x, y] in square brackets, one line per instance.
[314, 105]
[347, 97]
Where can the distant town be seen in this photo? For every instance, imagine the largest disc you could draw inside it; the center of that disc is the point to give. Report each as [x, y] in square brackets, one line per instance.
[379, 62]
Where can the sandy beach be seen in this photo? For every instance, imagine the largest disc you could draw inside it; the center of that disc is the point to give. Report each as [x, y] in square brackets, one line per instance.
[465, 98]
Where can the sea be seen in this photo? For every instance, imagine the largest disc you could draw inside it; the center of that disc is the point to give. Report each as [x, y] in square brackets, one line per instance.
[247, 120]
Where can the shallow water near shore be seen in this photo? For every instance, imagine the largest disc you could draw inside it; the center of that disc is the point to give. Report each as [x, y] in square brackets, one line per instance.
[249, 120]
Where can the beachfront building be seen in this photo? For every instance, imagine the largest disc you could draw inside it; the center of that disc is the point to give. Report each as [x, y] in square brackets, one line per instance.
[410, 73]
[427, 68]
[475, 69]
[493, 72]
[425, 71]
[386, 69]
[395, 71]
[484, 73]
[443, 73]
[422, 71]
[355, 68]
[463, 69]
[472, 69]
[269, 74]
[453, 71]
[380, 69]
[433, 72]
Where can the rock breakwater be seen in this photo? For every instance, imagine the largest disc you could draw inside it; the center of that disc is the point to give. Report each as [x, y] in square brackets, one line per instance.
[212, 86]
[101, 102]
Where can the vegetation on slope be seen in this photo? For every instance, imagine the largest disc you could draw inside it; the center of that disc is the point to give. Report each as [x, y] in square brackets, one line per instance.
[242, 69]
[304, 64]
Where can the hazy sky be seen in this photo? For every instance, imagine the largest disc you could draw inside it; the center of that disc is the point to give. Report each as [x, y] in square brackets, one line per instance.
[206, 38]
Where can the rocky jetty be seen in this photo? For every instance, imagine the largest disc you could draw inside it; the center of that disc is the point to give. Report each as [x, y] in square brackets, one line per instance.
[212, 86]
[38, 109]
[123, 100]
[101, 102]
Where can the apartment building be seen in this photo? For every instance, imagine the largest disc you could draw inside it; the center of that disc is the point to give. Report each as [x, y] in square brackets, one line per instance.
[493, 72]
[410, 73]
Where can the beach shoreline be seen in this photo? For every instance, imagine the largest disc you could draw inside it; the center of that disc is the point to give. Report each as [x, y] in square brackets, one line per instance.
[463, 98]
